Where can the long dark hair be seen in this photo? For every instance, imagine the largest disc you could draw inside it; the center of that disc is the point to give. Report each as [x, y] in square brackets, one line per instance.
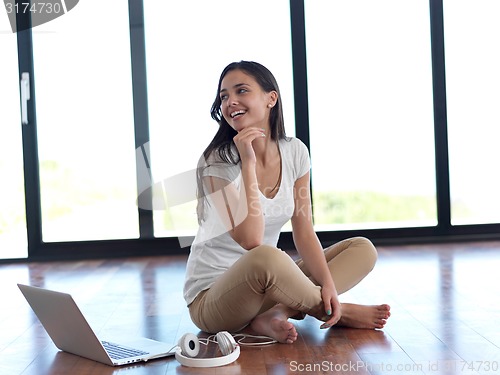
[222, 143]
[223, 139]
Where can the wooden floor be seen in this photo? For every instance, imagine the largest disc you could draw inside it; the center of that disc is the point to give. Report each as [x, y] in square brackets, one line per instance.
[445, 303]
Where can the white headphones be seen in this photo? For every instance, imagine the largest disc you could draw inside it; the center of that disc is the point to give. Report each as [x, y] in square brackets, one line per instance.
[189, 347]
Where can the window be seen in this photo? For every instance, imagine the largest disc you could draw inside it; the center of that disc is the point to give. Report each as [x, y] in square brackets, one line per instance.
[187, 46]
[472, 34]
[85, 124]
[371, 114]
[13, 239]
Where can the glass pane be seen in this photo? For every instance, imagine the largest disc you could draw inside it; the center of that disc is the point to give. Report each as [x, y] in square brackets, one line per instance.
[184, 61]
[472, 34]
[371, 114]
[13, 239]
[85, 124]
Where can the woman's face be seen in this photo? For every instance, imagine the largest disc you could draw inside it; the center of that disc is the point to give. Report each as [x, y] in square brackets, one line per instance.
[243, 102]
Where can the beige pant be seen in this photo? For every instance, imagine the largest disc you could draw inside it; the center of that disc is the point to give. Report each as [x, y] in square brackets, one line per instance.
[266, 275]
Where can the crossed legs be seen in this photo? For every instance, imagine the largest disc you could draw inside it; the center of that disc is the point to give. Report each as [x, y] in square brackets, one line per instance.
[265, 287]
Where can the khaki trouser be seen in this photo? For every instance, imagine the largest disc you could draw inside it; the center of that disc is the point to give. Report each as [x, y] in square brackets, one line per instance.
[265, 276]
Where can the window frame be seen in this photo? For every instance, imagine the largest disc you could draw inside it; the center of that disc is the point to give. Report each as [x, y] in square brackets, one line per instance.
[146, 244]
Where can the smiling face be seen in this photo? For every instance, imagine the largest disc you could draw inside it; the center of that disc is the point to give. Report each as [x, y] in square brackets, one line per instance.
[243, 101]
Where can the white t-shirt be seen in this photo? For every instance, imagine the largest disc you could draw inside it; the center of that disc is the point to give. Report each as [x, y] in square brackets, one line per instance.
[213, 250]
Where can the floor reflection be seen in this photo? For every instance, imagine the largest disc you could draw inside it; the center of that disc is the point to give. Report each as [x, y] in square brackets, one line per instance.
[444, 301]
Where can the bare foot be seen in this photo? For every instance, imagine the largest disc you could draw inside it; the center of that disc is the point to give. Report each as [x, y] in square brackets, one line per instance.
[274, 323]
[364, 316]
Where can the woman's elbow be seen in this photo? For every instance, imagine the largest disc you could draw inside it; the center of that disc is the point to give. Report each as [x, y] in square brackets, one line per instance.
[248, 235]
[249, 242]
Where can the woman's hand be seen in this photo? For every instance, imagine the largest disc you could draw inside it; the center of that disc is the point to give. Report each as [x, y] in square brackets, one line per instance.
[243, 141]
[332, 306]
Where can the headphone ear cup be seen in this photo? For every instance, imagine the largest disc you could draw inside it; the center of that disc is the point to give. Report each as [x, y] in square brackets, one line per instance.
[189, 347]
[226, 342]
[189, 344]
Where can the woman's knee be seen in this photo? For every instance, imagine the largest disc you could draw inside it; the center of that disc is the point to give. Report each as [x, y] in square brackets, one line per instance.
[265, 257]
[366, 250]
[267, 263]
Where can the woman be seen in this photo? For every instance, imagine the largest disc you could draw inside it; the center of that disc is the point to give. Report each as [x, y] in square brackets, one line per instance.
[252, 179]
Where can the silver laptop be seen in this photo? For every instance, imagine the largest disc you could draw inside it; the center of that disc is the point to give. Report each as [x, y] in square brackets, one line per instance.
[70, 331]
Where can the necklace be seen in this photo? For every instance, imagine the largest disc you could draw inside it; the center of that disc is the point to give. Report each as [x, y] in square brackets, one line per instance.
[279, 176]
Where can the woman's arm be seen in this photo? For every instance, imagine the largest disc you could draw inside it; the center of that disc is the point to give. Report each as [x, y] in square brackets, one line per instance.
[310, 249]
[241, 211]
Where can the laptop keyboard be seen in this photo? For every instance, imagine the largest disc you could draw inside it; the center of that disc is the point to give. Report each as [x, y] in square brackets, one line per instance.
[116, 351]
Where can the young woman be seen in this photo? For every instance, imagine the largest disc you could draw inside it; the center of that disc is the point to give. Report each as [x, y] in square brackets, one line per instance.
[252, 179]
